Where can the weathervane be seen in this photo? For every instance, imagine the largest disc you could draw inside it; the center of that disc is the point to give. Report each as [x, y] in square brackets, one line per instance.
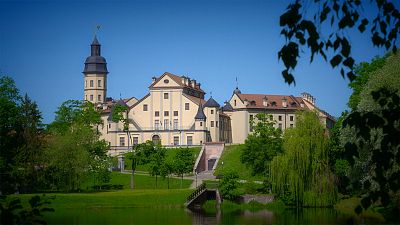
[237, 84]
[97, 29]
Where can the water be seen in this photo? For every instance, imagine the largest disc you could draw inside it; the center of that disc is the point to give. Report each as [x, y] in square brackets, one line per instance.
[180, 216]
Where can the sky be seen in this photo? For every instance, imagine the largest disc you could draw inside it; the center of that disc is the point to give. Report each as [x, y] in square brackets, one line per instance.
[43, 46]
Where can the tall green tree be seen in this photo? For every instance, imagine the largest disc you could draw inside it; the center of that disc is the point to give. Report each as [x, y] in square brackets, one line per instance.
[10, 131]
[373, 150]
[322, 27]
[183, 162]
[262, 145]
[140, 155]
[75, 149]
[157, 162]
[301, 172]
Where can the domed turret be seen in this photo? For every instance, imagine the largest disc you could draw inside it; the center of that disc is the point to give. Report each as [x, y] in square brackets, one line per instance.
[95, 63]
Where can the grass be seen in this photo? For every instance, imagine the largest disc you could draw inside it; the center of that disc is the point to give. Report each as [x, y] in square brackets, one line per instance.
[117, 199]
[142, 182]
[347, 206]
[231, 158]
[170, 153]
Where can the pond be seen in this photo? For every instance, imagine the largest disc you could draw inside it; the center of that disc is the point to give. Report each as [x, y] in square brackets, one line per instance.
[178, 216]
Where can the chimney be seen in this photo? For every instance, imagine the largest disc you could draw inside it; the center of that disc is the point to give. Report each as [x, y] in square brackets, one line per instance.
[246, 102]
[265, 101]
[188, 81]
[194, 83]
[284, 102]
[153, 79]
[183, 80]
[199, 85]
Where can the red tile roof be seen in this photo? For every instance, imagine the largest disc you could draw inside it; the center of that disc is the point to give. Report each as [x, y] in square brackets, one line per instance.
[256, 101]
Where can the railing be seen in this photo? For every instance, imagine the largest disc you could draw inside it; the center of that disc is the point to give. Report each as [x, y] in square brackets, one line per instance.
[196, 193]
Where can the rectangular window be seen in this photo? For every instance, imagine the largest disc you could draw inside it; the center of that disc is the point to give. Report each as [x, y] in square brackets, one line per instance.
[280, 118]
[189, 140]
[156, 124]
[91, 83]
[175, 113]
[109, 125]
[212, 123]
[157, 113]
[99, 98]
[166, 124]
[291, 118]
[186, 106]
[98, 83]
[251, 122]
[175, 124]
[145, 107]
[280, 126]
[85, 83]
[135, 140]
[121, 141]
[291, 125]
[176, 140]
[165, 95]
[201, 124]
[91, 97]
[86, 97]
[216, 123]
[212, 111]
[166, 113]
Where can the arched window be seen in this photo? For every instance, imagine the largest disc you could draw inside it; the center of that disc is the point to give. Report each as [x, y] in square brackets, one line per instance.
[156, 139]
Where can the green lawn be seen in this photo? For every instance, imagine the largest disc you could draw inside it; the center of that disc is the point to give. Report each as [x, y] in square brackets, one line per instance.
[115, 199]
[141, 182]
[169, 155]
[231, 159]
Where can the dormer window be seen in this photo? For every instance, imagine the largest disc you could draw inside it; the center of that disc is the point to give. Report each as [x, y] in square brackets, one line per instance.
[253, 103]
[273, 103]
[293, 104]
[166, 81]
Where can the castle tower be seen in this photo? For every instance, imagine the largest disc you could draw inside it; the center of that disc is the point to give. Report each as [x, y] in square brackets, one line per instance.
[95, 73]
[200, 123]
[211, 108]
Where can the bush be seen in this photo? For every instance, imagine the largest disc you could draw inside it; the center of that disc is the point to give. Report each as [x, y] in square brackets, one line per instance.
[229, 185]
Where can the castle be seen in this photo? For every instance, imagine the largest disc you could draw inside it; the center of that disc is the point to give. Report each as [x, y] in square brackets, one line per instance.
[175, 112]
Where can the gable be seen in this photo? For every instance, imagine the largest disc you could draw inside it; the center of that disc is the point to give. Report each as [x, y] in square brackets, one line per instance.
[166, 80]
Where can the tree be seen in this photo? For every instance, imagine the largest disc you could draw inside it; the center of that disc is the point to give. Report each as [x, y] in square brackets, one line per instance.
[167, 168]
[21, 140]
[29, 157]
[141, 154]
[10, 131]
[363, 72]
[374, 148]
[183, 162]
[302, 171]
[157, 161]
[229, 185]
[303, 27]
[262, 145]
[75, 150]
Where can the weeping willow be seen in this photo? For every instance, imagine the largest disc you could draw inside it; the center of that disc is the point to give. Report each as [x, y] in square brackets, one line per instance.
[302, 170]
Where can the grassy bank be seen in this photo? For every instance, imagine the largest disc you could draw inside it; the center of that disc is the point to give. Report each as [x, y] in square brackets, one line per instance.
[231, 159]
[141, 182]
[347, 206]
[117, 199]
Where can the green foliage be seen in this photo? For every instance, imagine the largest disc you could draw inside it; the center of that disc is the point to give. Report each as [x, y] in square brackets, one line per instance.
[303, 23]
[75, 151]
[363, 71]
[183, 161]
[262, 145]
[21, 140]
[157, 161]
[301, 172]
[12, 211]
[229, 185]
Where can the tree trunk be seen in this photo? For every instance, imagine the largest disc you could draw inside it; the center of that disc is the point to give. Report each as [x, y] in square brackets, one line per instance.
[181, 180]
[156, 181]
[133, 179]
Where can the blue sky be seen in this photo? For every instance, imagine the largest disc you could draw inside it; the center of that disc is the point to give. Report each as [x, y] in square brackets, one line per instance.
[43, 45]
